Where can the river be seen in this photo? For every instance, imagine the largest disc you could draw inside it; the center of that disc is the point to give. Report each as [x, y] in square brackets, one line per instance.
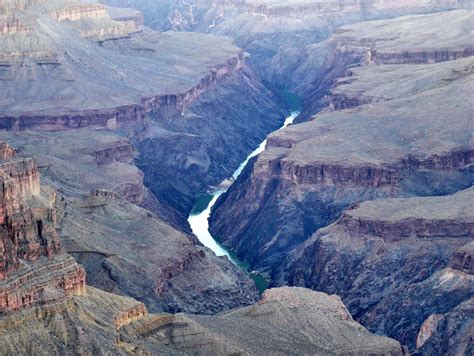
[198, 219]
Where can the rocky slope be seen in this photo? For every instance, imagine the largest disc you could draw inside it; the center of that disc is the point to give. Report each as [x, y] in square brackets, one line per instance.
[398, 145]
[396, 263]
[449, 333]
[90, 94]
[383, 134]
[407, 40]
[126, 249]
[313, 323]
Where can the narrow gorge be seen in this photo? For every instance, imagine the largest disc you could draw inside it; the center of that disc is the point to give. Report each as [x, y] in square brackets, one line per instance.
[164, 193]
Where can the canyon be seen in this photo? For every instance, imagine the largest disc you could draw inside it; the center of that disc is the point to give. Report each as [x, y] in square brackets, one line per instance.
[120, 121]
[397, 126]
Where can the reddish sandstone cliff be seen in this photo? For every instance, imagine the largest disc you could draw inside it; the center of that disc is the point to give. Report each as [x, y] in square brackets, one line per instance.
[32, 269]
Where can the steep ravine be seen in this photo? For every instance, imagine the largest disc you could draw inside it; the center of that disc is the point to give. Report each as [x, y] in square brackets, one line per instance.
[198, 219]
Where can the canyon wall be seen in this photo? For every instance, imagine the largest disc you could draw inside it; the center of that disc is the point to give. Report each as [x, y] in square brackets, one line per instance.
[282, 37]
[388, 130]
[125, 249]
[173, 97]
[33, 271]
[394, 262]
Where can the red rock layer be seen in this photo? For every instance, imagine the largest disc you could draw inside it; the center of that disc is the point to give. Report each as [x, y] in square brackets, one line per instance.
[24, 233]
[403, 229]
[134, 313]
[42, 282]
[363, 175]
[32, 270]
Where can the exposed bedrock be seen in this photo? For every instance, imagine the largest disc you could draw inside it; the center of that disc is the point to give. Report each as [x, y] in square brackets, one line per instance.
[449, 333]
[33, 271]
[394, 262]
[285, 320]
[284, 37]
[408, 134]
[405, 40]
[188, 102]
[125, 250]
[311, 172]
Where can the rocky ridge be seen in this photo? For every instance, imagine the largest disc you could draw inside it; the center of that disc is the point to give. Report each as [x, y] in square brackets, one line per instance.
[68, 70]
[122, 326]
[393, 261]
[282, 37]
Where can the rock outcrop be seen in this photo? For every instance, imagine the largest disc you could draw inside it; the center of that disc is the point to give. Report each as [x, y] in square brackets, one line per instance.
[283, 37]
[33, 272]
[90, 66]
[449, 333]
[287, 320]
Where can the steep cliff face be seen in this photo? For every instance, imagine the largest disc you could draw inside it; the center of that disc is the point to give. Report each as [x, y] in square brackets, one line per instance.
[24, 234]
[32, 270]
[128, 251]
[173, 97]
[191, 151]
[309, 173]
[449, 333]
[317, 66]
[393, 261]
[293, 320]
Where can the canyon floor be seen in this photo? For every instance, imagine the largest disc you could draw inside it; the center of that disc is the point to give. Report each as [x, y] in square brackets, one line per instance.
[119, 119]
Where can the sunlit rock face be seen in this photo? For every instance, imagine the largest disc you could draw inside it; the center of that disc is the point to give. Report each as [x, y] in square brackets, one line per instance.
[126, 249]
[33, 271]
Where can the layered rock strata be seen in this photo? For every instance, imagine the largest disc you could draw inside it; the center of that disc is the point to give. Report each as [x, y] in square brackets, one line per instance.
[395, 262]
[284, 321]
[389, 130]
[33, 271]
[126, 249]
[171, 95]
[310, 173]
[283, 37]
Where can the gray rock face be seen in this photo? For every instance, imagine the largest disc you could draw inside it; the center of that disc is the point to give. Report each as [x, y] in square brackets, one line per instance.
[384, 134]
[394, 262]
[172, 93]
[188, 152]
[451, 332]
[399, 146]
